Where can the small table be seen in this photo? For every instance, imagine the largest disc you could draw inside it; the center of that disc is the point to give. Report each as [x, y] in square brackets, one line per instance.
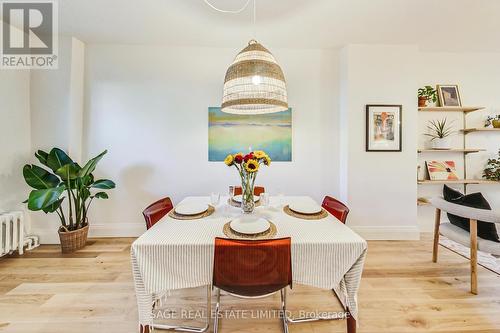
[177, 254]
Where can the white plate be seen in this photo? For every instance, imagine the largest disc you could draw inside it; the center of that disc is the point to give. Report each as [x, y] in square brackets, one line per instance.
[238, 197]
[305, 207]
[191, 209]
[250, 225]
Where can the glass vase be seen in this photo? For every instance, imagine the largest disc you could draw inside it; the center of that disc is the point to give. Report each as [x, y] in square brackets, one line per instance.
[247, 202]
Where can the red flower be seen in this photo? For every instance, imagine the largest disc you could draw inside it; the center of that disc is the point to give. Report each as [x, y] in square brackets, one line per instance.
[238, 158]
[248, 157]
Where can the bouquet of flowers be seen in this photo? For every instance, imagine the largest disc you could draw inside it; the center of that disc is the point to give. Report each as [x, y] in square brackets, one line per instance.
[248, 165]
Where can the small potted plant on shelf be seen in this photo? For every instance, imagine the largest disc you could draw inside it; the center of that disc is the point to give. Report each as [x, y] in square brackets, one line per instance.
[492, 121]
[492, 170]
[67, 183]
[426, 94]
[440, 132]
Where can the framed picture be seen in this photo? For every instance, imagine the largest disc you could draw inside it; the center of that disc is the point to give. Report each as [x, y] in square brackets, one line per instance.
[448, 95]
[383, 127]
[441, 170]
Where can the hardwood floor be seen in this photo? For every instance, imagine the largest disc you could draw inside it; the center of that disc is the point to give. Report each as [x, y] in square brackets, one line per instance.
[401, 291]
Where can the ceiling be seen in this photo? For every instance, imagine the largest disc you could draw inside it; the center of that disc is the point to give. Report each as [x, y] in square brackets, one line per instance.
[452, 25]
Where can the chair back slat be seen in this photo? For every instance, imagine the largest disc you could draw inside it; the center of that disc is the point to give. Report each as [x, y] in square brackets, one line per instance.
[158, 209]
[336, 208]
[252, 267]
[257, 190]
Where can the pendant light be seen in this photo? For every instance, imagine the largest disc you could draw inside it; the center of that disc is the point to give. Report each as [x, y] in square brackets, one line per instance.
[254, 82]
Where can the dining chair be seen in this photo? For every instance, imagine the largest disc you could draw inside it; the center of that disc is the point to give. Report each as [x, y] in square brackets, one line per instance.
[158, 209]
[257, 190]
[463, 237]
[252, 268]
[336, 208]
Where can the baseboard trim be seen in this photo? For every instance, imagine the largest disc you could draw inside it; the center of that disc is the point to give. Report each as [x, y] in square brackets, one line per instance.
[49, 236]
[387, 232]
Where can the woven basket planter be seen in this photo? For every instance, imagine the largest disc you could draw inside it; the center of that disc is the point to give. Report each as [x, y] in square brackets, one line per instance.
[73, 240]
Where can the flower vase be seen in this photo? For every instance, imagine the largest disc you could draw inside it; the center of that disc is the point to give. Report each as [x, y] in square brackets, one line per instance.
[247, 202]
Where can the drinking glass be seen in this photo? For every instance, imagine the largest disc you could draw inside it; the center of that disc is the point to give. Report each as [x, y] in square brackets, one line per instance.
[264, 199]
[231, 192]
[214, 198]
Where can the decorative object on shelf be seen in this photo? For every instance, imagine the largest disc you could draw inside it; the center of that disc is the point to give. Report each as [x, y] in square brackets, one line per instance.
[492, 170]
[248, 166]
[231, 133]
[66, 181]
[440, 132]
[384, 128]
[426, 94]
[492, 121]
[441, 170]
[449, 95]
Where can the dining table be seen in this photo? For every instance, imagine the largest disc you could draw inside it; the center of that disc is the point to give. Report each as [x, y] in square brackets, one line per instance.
[176, 254]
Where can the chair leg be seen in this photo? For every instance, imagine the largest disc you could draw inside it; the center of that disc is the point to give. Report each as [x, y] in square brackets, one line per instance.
[283, 310]
[437, 221]
[217, 306]
[351, 323]
[473, 256]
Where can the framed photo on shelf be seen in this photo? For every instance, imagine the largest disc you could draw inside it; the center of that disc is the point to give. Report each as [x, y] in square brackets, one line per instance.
[448, 95]
[383, 128]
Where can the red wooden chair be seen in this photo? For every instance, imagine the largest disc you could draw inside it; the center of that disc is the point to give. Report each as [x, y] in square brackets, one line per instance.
[336, 208]
[154, 212]
[257, 190]
[252, 268]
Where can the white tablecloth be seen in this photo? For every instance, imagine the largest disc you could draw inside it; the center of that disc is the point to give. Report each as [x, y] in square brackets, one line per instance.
[176, 254]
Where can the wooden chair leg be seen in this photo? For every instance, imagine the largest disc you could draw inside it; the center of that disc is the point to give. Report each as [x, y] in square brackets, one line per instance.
[144, 329]
[437, 221]
[473, 256]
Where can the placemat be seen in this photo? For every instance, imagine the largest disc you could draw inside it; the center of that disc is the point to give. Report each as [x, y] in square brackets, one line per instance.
[206, 213]
[268, 234]
[318, 216]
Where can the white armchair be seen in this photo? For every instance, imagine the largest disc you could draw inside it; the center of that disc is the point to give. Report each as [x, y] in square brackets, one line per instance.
[461, 236]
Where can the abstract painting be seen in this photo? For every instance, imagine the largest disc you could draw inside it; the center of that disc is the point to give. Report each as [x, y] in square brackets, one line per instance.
[442, 170]
[231, 133]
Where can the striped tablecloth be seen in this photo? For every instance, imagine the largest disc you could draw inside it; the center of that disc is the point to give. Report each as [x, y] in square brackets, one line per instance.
[177, 254]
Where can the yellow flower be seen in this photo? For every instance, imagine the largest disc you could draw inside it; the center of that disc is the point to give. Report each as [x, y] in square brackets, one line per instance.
[267, 160]
[252, 166]
[259, 154]
[229, 160]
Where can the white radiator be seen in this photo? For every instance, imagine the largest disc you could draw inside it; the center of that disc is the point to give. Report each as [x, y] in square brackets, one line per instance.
[12, 235]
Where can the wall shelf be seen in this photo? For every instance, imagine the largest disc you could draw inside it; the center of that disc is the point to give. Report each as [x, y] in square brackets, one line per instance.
[454, 150]
[480, 129]
[460, 181]
[465, 109]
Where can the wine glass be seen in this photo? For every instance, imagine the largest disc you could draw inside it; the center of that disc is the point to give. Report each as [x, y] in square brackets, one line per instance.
[231, 192]
[264, 199]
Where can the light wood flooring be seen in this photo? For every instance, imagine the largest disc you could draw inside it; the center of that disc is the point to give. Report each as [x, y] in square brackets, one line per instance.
[92, 291]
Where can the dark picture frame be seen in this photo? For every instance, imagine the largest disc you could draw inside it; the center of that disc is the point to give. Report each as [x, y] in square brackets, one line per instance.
[384, 128]
[449, 95]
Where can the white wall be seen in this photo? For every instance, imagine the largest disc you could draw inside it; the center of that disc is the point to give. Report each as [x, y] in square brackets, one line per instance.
[14, 136]
[380, 186]
[478, 77]
[148, 106]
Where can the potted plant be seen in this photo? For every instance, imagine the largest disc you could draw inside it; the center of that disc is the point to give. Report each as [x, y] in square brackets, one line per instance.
[492, 170]
[492, 120]
[426, 94]
[440, 133]
[248, 166]
[68, 183]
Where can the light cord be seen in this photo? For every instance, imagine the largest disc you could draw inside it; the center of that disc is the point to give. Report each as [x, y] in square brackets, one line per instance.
[230, 11]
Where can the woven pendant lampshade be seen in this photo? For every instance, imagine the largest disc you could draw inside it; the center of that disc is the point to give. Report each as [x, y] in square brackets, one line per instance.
[254, 83]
